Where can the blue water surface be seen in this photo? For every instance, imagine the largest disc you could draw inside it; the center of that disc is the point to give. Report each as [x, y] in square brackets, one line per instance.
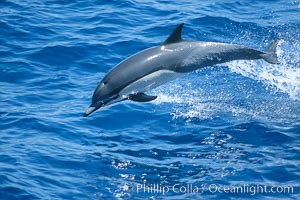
[232, 125]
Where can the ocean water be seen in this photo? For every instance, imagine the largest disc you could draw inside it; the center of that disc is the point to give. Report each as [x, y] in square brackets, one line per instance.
[230, 131]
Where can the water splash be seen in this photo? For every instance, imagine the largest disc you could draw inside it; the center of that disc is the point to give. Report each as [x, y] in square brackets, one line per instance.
[284, 77]
[272, 92]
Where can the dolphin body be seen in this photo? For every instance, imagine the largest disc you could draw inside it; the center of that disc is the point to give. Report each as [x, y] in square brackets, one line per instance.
[157, 65]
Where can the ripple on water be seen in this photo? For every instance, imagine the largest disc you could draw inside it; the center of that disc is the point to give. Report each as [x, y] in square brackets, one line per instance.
[232, 124]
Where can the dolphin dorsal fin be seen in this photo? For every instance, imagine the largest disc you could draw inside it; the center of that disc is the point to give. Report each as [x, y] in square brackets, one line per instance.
[175, 36]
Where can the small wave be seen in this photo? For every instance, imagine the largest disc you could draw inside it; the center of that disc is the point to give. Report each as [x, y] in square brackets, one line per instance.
[67, 55]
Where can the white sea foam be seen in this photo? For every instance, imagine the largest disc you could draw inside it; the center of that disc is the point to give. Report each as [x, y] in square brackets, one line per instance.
[189, 100]
[284, 77]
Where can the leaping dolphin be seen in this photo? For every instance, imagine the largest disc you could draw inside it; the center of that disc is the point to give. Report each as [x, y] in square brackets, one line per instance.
[157, 65]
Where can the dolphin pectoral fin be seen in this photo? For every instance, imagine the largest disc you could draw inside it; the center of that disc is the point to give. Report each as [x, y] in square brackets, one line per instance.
[175, 36]
[141, 97]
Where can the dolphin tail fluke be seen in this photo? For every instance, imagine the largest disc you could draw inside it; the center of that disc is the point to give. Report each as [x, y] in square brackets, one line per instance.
[270, 55]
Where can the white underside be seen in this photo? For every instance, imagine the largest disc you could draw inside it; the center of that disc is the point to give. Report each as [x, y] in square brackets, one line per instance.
[149, 82]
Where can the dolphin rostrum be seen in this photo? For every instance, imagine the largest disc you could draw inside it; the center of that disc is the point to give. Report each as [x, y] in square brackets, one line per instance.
[157, 65]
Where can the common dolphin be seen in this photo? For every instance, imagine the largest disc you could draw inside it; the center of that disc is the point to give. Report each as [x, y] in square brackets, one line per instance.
[157, 65]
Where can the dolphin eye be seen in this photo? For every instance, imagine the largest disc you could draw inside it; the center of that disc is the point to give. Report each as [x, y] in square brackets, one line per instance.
[104, 83]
